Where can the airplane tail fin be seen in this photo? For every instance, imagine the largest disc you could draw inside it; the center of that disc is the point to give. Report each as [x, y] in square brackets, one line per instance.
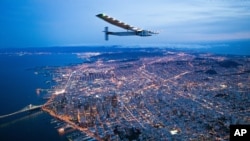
[106, 33]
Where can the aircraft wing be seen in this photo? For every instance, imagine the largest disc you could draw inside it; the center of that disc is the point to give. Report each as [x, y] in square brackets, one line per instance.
[118, 23]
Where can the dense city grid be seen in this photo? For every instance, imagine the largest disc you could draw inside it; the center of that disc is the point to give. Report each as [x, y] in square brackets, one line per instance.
[177, 96]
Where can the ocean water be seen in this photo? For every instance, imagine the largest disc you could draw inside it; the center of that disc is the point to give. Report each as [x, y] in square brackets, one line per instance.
[18, 84]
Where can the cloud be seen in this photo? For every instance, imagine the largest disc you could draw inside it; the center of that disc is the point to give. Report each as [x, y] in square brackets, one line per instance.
[206, 20]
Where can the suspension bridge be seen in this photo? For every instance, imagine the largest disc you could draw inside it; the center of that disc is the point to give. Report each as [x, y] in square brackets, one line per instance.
[30, 107]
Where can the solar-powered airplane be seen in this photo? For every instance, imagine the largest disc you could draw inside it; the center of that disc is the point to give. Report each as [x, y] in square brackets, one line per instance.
[131, 30]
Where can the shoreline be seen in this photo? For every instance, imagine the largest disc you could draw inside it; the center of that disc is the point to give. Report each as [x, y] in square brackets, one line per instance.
[74, 126]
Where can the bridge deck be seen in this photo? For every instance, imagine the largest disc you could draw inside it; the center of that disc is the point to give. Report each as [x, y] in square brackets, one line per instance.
[26, 108]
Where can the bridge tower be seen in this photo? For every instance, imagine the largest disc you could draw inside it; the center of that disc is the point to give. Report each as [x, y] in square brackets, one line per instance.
[30, 106]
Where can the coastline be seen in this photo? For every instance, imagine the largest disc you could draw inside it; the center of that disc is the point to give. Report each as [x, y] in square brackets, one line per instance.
[26, 72]
[67, 120]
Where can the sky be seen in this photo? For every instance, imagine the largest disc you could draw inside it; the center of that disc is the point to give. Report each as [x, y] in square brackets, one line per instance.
[44, 23]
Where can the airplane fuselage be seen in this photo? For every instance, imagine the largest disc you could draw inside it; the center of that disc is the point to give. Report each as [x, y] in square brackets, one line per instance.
[139, 33]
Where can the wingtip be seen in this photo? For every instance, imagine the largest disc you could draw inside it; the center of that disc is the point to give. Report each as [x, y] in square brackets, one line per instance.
[100, 15]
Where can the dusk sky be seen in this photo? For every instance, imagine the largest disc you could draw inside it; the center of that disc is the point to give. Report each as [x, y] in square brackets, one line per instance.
[43, 23]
